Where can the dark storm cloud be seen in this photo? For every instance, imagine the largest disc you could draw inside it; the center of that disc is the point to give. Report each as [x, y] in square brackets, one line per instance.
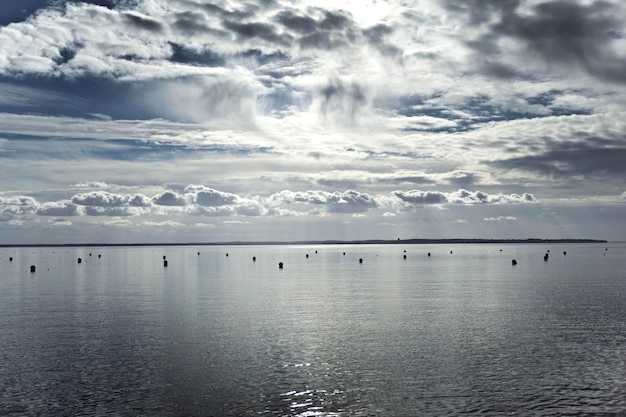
[562, 32]
[572, 33]
[595, 158]
[481, 11]
[296, 23]
[103, 3]
[195, 23]
[330, 30]
[220, 12]
[333, 30]
[206, 58]
[375, 35]
[258, 31]
[339, 97]
[142, 22]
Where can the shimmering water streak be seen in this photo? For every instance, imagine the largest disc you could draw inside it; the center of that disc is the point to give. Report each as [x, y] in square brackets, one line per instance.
[460, 332]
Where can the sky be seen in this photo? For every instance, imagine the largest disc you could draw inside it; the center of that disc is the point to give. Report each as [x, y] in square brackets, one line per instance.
[135, 121]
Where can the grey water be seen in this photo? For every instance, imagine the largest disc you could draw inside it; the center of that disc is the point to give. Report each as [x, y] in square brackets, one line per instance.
[216, 333]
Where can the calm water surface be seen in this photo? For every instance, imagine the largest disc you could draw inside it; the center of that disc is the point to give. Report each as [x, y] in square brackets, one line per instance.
[462, 332]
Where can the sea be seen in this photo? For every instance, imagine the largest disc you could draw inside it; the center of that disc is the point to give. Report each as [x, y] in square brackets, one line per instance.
[339, 330]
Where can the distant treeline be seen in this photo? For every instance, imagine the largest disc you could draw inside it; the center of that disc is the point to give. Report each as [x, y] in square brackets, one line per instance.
[317, 242]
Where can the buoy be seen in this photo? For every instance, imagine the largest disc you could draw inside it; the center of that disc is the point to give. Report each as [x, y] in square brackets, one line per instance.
[360, 260]
[89, 253]
[545, 257]
[10, 259]
[428, 253]
[280, 265]
[226, 254]
[79, 260]
[32, 268]
[165, 263]
[99, 256]
[404, 256]
[307, 255]
[315, 251]
[198, 253]
[450, 251]
[564, 252]
[344, 254]
[163, 257]
[254, 259]
[514, 262]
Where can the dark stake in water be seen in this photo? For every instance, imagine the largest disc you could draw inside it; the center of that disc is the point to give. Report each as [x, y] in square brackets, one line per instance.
[213, 335]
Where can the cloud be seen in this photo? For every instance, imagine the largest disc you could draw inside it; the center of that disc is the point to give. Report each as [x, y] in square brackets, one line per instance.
[166, 223]
[340, 100]
[462, 177]
[169, 198]
[141, 21]
[111, 211]
[209, 197]
[100, 199]
[226, 99]
[91, 184]
[21, 201]
[421, 197]
[593, 158]
[461, 196]
[560, 33]
[573, 33]
[200, 200]
[349, 201]
[59, 222]
[482, 11]
[499, 218]
[263, 31]
[59, 208]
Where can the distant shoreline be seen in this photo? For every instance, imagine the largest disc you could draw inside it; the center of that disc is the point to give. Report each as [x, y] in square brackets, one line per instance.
[313, 242]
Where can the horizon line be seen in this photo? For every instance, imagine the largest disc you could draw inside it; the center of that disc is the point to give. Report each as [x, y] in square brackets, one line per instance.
[315, 242]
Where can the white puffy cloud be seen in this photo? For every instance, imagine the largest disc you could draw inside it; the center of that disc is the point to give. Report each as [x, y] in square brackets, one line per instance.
[349, 201]
[461, 196]
[100, 199]
[209, 197]
[21, 201]
[169, 198]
